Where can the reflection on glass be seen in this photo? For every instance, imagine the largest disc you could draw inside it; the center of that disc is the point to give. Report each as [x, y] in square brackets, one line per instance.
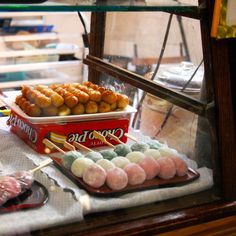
[180, 129]
[172, 49]
[170, 54]
[184, 77]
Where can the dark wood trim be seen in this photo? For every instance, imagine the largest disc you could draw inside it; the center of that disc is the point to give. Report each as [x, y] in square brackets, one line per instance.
[199, 14]
[145, 220]
[219, 60]
[225, 121]
[149, 86]
[97, 37]
[208, 92]
[170, 221]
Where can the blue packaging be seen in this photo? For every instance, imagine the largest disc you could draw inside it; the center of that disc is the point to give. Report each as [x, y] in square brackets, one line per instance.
[28, 28]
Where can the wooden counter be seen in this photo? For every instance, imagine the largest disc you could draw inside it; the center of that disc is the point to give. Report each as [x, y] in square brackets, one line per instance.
[150, 219]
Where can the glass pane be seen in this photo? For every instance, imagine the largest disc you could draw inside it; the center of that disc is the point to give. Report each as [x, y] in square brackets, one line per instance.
[180, 129]
[64, 193]
[173, 126]
[166, 49]
[99, 5]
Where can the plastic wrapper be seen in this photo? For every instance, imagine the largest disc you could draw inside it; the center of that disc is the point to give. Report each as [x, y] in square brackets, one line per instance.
[25, 179]
[15, 184]
[9, 188]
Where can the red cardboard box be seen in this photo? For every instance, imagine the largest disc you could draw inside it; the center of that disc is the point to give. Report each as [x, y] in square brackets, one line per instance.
[33, 134]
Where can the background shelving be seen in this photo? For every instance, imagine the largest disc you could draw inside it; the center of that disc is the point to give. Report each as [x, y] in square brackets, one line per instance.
[57, 58]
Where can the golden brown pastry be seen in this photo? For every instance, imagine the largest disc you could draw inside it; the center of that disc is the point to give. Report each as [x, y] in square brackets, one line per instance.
[50, 111]
[78, 109]
[29, 108]
[57, 100]
[81, 87]
[91, 107]
[87, 83]
[94, 86]
[94, 95]
[36, 97]
[122, 101]
[109, 96]
[33, 110]
[66, 99]
[64, 110]
[113, 106]
[104, 107]
[82, 96]
[69, 99]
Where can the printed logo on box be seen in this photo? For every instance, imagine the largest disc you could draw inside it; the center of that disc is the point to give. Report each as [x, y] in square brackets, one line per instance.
[82, 132]
[26, 129]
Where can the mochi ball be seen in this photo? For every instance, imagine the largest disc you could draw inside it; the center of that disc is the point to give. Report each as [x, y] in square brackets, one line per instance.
[116, 179]
[94, 176]
[154, 144]
[165, 151]
[136, 175]
[153, 153]
[139, 146]
[108, 154]
[69, 157]
[95, 156]
[122, 149]
[150, 166]
[121, 162]
[80, 165]
[135, 156]
[106, 164]
[180, 165]
[167, 168]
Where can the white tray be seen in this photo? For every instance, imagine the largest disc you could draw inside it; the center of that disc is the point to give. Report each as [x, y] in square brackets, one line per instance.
[71, 118]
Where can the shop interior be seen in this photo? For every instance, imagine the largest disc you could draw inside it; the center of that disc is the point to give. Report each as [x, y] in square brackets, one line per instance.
[115, 118]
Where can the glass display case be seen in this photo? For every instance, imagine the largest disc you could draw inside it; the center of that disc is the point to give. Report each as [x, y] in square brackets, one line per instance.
[180, 83]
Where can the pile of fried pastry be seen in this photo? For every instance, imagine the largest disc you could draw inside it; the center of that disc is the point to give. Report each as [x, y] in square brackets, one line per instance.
[69, 99]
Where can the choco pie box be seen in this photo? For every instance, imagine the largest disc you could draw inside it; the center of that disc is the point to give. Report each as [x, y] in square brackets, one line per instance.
[79, 131]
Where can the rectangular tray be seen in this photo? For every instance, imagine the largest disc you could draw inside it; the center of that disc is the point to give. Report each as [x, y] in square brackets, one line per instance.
[70, 118]
[105, 191]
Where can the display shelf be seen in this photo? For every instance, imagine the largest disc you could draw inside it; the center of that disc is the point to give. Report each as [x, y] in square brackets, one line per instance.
[36, 36]
[39, 66]
[34, 52]
[138, 81]
[49, 61]
[28, 14]
[111, 5]
[61, 78]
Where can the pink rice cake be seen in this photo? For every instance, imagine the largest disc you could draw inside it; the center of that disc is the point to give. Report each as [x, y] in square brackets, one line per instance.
[94, 176]
[117, 179]
[150, 166]
[181, 165]
[167, 168]
[136, 175]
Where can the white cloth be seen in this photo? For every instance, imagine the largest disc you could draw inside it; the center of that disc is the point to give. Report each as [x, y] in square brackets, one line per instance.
[16, 155]
[61, 207]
